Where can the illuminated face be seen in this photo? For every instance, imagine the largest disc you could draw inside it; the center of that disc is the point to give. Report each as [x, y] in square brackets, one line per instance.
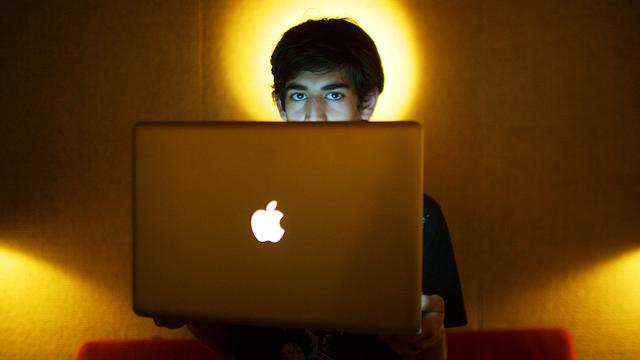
[323, 97]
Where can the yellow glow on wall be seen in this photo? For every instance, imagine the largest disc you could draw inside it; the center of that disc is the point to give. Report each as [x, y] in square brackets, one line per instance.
[594, 301]
[608, 297]
[48, 312]
[27, 290]
[620, 278]
[43, 308]
[253, 28]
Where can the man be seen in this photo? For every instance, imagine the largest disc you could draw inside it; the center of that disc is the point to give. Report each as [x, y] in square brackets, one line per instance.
[330, 70]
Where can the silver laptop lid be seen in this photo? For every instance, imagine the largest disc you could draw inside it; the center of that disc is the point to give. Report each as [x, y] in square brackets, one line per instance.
[350, 197]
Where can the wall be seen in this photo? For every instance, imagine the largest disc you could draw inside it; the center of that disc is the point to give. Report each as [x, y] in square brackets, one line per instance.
[76, 76]
[533, 147]
[531, 137]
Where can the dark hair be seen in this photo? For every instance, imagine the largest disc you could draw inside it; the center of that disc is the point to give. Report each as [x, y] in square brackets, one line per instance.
[324, 45]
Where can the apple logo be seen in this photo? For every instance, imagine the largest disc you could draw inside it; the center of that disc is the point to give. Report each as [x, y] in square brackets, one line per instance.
[265, 224]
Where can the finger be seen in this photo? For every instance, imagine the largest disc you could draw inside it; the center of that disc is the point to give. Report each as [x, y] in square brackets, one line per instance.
[432, 329]
[409, 343]
[432, 304]
[432, 318]
[424, 302]
[409, 346]
[402, 345]
[432, 325]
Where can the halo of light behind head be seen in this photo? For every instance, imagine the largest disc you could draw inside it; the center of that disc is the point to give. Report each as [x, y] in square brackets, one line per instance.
[252, 30]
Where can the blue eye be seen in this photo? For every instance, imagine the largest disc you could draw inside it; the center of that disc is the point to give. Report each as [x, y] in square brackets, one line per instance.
[334, 96]
[298, 96]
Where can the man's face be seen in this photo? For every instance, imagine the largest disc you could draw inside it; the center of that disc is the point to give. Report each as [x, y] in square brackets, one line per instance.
[323, 97]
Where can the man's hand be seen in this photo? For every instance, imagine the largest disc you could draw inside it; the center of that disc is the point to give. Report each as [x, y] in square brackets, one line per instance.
[215, 336]
[171, 323]
[430, 343]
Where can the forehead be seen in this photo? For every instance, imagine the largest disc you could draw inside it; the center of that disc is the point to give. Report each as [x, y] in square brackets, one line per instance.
[318, 80]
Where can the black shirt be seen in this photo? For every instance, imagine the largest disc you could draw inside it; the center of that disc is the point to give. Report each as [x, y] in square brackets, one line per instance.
[440, 276]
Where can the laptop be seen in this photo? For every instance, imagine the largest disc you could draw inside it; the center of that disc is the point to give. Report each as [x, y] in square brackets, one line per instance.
[291, 225]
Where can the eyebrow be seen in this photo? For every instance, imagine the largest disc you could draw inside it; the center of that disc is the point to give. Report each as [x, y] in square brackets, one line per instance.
[332, 86]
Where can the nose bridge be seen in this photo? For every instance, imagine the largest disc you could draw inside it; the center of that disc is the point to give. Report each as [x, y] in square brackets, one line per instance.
[315, 109]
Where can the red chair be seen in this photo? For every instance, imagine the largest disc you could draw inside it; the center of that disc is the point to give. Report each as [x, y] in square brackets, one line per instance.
[522, 344]
[526, 344]
[146, 350]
